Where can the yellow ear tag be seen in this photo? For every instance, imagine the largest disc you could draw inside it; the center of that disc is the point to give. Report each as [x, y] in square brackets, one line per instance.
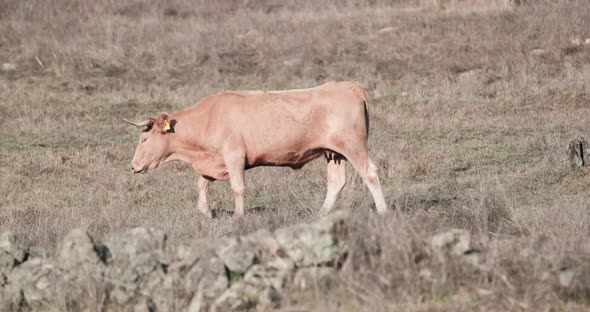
[166, 125]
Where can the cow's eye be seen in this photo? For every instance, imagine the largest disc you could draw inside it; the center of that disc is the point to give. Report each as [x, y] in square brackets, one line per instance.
[143, 140]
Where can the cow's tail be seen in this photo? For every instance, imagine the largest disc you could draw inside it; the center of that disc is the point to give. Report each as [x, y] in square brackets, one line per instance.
[357, 90]
[366, 118]
[363, 96]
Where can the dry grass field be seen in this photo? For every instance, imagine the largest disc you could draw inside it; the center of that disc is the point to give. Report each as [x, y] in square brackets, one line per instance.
[472, 104]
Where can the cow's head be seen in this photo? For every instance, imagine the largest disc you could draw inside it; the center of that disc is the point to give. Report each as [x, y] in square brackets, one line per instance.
[152, 149]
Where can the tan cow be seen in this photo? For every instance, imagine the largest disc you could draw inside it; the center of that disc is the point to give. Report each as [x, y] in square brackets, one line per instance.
[229, 132]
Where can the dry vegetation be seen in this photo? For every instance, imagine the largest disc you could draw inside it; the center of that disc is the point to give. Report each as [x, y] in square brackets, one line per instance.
[468, 127]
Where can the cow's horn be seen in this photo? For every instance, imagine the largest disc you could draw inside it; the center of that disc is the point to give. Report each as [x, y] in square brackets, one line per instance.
[140, 124]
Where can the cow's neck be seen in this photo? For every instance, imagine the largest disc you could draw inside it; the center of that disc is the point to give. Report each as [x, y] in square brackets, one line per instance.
[184, 144]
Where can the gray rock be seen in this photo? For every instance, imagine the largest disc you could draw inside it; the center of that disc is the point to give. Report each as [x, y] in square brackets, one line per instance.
[306, 278]
[578, 150]
[10, 246]
[77, 248]
[237, 254]
[136, 268]
[566, 277]
[314, 244]
[265, 242]
[11, 254]
[135, 241]
[33, 283]
[263, 286]
[241, 296]
[274, 274]
[235, 298]
[68, 280]
[197, 274]
[455, 243]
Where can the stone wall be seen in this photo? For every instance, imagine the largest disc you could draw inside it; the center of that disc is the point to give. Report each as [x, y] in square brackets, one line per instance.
[140, 269]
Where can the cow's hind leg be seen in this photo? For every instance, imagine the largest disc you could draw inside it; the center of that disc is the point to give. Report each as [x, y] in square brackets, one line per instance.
[202, 186]
[336, 180]
[368, 171]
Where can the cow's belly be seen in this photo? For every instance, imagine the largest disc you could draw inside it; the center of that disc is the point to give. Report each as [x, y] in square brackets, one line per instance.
[212, 167]
[293, 159]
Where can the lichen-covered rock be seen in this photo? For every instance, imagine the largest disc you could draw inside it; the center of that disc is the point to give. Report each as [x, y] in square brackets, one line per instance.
[237, 254]
[77, 248]
[72, 280]
[306, 278]
[266, 243]
[314, 244]
[134, 242]
[136, 267]
[11, 253]
[197, 274]
[32, 285]
[242, 296]
[274, 274]
[80, 266]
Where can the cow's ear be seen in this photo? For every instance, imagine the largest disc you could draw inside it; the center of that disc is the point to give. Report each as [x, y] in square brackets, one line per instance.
[162, 123]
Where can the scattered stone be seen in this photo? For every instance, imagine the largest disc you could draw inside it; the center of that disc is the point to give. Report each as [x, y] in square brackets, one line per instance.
[8, 67]
[425, 273]
[578, 150]
[477, 78]
[292, 62]
[566, 277]
[538, 52]
[456, 243]
[385, 30]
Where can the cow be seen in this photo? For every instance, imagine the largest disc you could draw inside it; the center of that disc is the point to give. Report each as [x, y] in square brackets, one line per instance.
[232, 131]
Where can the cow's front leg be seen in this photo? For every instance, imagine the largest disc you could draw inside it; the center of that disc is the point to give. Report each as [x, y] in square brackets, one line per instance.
[235, 168]
[202, 206]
